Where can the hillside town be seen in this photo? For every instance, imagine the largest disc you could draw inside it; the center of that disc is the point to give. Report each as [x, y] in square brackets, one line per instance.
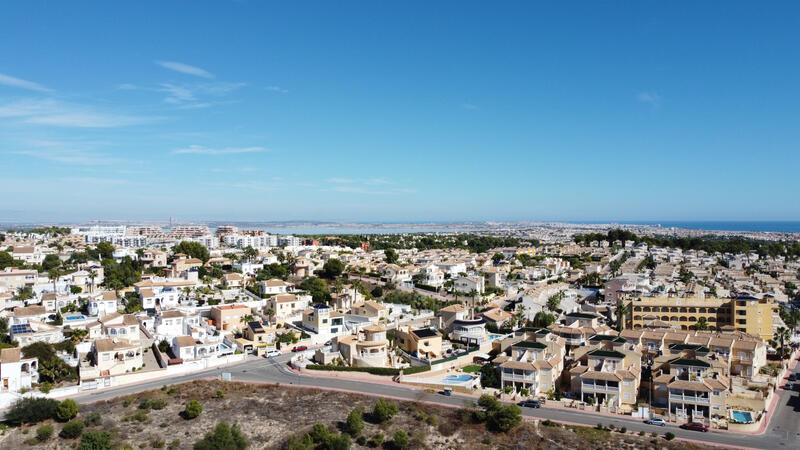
[610, 322]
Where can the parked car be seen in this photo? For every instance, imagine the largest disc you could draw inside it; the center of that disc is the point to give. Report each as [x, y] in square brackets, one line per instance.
[530, 404]
[695, 426]
[272, 353]
[789, 386]
[792, 377]
[300, 348]
[656, 421]
[447, 391]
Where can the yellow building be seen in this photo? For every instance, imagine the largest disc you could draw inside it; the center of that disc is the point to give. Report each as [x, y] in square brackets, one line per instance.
[747, 314]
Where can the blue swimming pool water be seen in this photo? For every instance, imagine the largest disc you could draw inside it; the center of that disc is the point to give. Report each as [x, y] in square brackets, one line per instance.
[495, 336]
[742, 416]
[457, 378]
[78, 317]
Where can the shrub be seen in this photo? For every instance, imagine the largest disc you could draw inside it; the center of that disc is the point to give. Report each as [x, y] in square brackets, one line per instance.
[505, 418]
[72, 429]
[219, 393]
[376, 440]
[223, 436]
[141, 416]
[173, 445]
[158, 404]
[46, 387]
[145, 404]
[669, 435]
[157, 443]
[95, 440]
[127, 402]
[355, 422]
[400, 439]
[641, 433]
[384, 410]
[32, 410]
[192, 410]
[67, 410]
[92, 419]
[623, 430]
[44, 432]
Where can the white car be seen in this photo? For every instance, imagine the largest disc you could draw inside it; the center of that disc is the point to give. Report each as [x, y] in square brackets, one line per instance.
[272, 353]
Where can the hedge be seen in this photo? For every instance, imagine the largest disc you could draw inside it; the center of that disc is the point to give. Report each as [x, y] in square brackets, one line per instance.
[372, 370]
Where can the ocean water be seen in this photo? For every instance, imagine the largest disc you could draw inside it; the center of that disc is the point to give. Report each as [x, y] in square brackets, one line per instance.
[773, 226]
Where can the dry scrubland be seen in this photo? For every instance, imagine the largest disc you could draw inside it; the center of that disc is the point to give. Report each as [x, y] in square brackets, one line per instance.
[270, 415]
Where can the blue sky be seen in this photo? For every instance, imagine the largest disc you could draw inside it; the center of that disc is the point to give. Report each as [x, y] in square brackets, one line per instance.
[422, 111]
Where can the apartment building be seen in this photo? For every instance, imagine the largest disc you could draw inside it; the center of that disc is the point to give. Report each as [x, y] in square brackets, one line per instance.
[693, 385]
[607, 371]
[746, 314]
[535, 363]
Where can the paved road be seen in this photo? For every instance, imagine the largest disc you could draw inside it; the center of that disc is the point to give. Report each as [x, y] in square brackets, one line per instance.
[783, 431]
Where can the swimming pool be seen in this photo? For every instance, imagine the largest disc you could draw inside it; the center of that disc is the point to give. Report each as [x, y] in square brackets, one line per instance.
[76, 317]
[494, 336]
[456, 379]
[742, 416]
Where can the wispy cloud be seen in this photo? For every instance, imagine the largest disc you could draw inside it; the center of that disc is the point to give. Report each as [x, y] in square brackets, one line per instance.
[66, 152]
[371, 186]
[201, 150]
[336, 180]
[277, 89]
[95, 180]
[185, 69]
[8, 80]
[371, 191]
[56, 113]
[469, 106]
[651, 98]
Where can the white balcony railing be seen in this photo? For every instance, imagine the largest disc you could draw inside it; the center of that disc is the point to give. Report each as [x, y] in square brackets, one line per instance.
[689, 398]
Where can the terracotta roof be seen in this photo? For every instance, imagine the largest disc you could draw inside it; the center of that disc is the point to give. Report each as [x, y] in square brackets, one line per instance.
[453, 308]
[374, 328]
[109, 295]
[185, 341]
[9, 355]
[172, 313]
[518, 365]
[108, 345]
[595, 375]
[25, 311]
[285, 298]
[693, 385]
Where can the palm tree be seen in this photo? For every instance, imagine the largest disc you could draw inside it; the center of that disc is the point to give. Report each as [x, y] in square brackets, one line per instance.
[782, 335]
[620, 312]
[554, 301]
[92, 276]
[53, 274]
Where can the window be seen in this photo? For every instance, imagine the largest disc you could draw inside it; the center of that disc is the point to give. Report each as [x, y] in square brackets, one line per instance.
[106, 356]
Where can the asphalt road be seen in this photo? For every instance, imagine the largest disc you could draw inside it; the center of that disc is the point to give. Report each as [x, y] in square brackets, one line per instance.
[782, 432]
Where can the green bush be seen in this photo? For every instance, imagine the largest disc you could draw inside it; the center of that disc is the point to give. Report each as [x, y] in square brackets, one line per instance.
[95, 440]
[158, 404]
[92, 419]
[46, 387]
[373, 370]
[72, 429]
[192, 410]
[400, 439]
[32, 410]
[223, 437]
[67, 410]
[44, 432]
[376, 440]
[669, 435]
[384, 410]
[355, 422]
[173, 445]
[145, 404]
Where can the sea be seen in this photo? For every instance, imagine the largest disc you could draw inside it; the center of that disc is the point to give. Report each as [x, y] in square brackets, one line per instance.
[762, 226]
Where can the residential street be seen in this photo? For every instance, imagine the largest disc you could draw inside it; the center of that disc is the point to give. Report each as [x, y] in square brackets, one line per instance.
[782, 432]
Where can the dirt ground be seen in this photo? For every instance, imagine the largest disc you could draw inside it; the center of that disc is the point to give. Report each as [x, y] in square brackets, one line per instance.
[269, 415]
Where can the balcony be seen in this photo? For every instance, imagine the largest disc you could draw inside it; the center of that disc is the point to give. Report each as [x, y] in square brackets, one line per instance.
[518, 377]
[598, 388]
[689, 399]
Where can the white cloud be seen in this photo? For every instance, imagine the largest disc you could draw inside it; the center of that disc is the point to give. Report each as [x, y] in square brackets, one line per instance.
[651, 98]
[185, 69]
[23, 84]
[52, 112]
[277, 89]
[201, 150]
[66, 152]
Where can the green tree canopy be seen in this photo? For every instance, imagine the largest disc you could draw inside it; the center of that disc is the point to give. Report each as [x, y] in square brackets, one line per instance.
[193, 249]
[223, 437]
